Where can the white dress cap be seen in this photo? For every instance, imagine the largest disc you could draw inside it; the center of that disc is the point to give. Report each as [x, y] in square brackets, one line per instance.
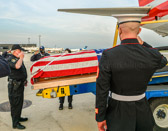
[124, 14]
[123, 18]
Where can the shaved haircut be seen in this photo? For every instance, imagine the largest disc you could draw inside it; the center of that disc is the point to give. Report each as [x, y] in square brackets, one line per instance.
[130, 27]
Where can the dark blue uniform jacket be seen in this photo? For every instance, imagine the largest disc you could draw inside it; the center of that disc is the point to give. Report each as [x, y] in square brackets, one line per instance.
[4, 68]
[17, 74]
[38, 56]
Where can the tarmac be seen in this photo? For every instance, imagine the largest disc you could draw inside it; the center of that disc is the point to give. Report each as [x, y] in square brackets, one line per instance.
[44, 114]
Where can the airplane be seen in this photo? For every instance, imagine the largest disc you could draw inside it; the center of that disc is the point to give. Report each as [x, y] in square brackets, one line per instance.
[156, 9]
[157, 12]
[80, 49]
[155, 18]
[84, 48]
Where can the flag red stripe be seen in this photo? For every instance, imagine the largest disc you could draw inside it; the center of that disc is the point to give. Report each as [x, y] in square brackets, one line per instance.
[65, 72]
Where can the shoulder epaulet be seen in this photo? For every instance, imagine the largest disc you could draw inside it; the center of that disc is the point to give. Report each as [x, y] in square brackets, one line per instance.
[151, 48]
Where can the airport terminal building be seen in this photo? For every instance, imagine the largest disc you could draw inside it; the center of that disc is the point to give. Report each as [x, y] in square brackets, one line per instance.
[5, 47]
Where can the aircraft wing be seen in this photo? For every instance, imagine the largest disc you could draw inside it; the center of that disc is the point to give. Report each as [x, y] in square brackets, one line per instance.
[160, 28]
[108, 11]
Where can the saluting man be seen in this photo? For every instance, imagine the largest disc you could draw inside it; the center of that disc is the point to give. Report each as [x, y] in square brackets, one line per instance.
[37, 56]
[17, 81]
[125, 71]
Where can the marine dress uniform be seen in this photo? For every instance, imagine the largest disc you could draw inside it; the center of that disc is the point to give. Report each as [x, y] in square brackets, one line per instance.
[17, 80]
[125, 71]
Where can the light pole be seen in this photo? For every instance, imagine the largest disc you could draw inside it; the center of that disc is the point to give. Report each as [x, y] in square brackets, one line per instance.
[28, 40]
[39, 40]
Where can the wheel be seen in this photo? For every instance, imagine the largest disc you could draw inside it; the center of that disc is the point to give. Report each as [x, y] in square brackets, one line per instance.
[159, 107]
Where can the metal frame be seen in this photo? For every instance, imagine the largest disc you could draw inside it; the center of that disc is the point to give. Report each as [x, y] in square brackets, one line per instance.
[142, 23]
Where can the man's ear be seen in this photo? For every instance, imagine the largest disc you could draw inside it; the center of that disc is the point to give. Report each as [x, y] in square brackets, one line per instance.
[119, 31]
[139, 30]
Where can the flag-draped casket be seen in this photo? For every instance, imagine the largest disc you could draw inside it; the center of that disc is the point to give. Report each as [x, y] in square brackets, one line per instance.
[61, 65]
[84, 62]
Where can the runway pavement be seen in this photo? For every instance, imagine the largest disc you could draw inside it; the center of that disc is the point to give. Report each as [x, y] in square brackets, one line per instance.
[44, 115]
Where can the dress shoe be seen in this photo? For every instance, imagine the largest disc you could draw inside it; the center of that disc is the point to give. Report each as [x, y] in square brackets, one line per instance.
[61, 107]
[19, 126]
[23, 119]
[70, 106]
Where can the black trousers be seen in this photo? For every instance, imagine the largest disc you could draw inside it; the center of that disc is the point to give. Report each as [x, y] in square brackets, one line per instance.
[63, 98]
[16, 96]
[129, 116]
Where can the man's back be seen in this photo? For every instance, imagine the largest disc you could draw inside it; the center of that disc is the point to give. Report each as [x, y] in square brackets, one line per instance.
[132, 66]
[125, 70]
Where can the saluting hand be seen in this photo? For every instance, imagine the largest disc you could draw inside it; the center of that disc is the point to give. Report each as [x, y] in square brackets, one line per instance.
[36, 52]
[21, 55]
[9, 51]
[102, 126]
[140, 40]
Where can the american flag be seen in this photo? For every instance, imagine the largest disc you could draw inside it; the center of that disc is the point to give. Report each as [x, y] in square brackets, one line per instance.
[66, 64]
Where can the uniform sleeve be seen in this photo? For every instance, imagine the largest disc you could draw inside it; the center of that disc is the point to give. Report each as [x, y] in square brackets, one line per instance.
[163, 62]
[47, 54]
[4, 68]
[34, 57]
[4, 55]
[12, 62]
[24, 70]
[102, 87]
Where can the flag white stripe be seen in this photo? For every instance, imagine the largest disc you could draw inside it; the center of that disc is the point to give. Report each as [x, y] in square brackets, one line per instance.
[67, 66]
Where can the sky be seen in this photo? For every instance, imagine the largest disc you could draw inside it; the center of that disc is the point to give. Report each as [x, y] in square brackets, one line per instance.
[23, 19]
